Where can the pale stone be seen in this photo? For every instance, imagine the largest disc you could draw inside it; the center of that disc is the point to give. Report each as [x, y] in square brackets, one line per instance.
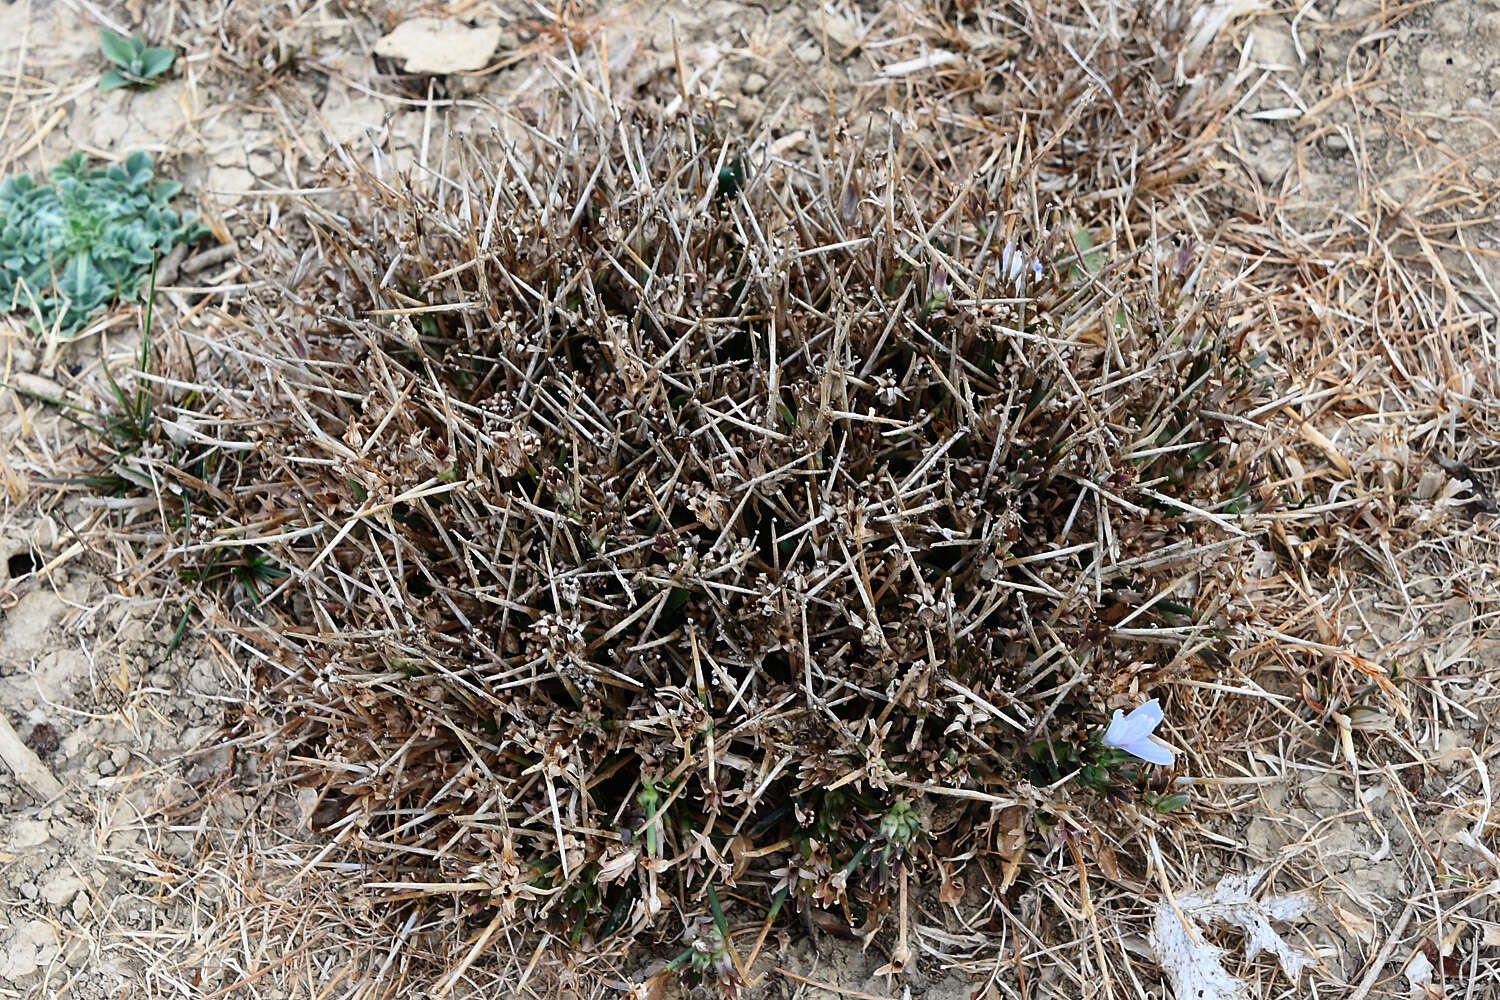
[436, 46]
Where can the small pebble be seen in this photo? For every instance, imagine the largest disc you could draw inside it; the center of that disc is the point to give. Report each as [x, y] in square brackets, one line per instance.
[120, 757]
[107, 767]
[753, 84]
[28, 890]
[61, 890]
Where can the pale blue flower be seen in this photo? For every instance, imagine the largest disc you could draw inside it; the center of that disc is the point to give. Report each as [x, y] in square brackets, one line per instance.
[1133, 734]
[1014, 263]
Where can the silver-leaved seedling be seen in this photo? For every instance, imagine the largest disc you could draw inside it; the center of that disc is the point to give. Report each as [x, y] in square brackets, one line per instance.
[70, 247]
[135, 62]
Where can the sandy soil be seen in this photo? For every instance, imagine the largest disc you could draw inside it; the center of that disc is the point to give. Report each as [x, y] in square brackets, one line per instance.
[116, 886]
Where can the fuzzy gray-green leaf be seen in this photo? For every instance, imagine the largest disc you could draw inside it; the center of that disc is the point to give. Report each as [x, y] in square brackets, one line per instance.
[70, 247]
[156, 61]
[116, 48]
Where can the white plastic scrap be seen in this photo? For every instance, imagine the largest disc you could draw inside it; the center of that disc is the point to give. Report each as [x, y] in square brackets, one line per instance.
[1419, 973]
[1193, 965]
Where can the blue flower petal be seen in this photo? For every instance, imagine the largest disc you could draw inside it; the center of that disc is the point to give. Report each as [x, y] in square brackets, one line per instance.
[1136, 726]
[1153, 751]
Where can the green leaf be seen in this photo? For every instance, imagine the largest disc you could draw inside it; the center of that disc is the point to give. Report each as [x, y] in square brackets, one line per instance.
[629, 893]
[1168, 803]
[138, 168]
[718, 910]
[112, 80]
[117, 48]
[75, 166]
[156, 61]
[1093, 260]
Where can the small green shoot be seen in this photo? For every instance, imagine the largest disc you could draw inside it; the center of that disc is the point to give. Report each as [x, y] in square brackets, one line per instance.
[649, 799]
[730, 179]
[135, 62]
[900, 823]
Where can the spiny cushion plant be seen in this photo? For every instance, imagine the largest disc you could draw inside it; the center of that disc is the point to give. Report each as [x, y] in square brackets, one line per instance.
[653, 539]
[70, 247]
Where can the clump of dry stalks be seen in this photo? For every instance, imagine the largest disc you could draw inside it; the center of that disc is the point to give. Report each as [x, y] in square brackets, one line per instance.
[644, 522]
